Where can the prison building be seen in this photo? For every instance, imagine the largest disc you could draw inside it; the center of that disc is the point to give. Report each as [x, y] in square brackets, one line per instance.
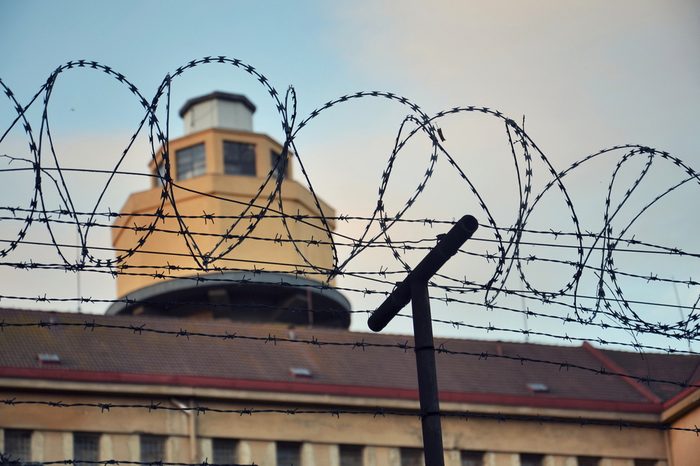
[228, 344]
[275, 394]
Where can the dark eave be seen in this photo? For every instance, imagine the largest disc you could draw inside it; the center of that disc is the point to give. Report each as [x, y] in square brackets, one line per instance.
[220, 95]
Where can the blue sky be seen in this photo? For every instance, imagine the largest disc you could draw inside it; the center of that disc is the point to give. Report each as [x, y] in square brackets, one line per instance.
[586, 75]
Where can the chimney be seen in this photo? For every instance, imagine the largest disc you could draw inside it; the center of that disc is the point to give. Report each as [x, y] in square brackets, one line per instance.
[218, 110]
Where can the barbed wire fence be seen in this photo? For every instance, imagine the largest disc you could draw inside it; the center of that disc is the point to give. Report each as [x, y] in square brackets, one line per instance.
[593, 303]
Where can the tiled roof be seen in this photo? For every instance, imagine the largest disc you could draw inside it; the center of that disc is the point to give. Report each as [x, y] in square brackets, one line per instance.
[125, 355]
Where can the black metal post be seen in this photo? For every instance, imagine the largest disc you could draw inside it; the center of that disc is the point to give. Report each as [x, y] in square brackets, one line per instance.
[427, 375]
[415, 289]
[447, 246]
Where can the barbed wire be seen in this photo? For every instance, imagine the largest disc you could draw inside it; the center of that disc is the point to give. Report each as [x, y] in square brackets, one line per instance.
[362, 344]
[594, 291]
[340, 311]
[404, 244]
[465, 286]
[342, 217]
[8, 460]
[337, 412]
[629, 324]
[509, 239]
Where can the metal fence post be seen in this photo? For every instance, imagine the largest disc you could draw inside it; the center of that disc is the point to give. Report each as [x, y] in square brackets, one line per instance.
[414, 288]
[427, 375]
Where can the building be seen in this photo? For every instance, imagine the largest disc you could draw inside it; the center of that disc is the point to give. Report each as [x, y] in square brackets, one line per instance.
[186, 369]
[531, 412]
[221, 166]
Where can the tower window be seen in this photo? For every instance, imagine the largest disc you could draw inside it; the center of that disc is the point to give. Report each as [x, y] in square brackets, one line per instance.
[159, 174]
[239, 158]
[277, 165]
[190, 162]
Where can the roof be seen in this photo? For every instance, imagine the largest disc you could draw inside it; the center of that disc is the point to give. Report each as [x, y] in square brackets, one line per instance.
[168, 288]
[220, 95]
[257, 357]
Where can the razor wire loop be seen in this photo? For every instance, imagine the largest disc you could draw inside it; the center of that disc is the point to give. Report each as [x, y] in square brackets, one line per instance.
[595, 250]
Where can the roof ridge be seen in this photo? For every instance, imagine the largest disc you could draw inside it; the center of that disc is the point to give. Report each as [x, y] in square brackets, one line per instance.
[612, 365]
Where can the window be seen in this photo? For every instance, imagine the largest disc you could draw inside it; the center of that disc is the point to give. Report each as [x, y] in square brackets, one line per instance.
[350, 455]
[531, 460]
[301, 372]
[224, 450]
[472, 458]
[276, 164]
[152, 448]
[86, 447]
[18, 444]
[411, 457]
[48, 358]
[190, 162]
[588, 461]
[160, 174]
[288, 454]
[239, 158]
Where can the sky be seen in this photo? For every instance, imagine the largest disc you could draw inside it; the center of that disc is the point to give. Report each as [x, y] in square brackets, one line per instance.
[582, 75]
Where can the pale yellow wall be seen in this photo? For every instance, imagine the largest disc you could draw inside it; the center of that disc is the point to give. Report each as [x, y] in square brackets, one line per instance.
[213, 141]
[261, 453]
[324, 455]
[685, 447]
[252, 254]
[320, 434]
[205, 449]
[532, 437]
[38, 451]
[178, 450]
[53, 447]
[501, 459]
[382, 456]
[107, 448]
[558, 460]
[616, 462]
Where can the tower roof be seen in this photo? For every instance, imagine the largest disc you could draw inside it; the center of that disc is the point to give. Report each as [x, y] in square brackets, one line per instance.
[220, 95]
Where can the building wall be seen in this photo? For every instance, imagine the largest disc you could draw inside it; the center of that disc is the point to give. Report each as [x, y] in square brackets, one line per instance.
[232, 193]
[684, 446]
[320, 434]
